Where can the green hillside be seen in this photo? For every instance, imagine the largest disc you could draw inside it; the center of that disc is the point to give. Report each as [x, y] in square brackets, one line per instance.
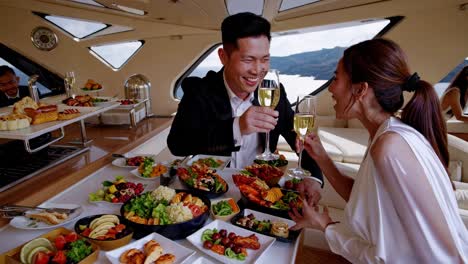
[321, 64]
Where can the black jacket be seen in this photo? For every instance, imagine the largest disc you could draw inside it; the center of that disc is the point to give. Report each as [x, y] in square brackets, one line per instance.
[5, 101]
[203, 123]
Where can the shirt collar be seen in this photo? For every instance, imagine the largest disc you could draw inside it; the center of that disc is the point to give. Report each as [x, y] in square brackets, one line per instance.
[232, 95]
[13, 97]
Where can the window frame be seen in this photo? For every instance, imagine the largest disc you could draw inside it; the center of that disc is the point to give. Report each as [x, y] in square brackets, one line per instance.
[393, 21]
[43, 16]
[49, 79]
[125, 62]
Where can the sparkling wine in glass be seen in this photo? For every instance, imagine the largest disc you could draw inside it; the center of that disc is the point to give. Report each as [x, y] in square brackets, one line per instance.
[304, 119]
[268, 96]
[69, 83]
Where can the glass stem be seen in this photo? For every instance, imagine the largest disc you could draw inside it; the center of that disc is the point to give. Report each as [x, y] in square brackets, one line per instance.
[301, 148]
[267, 143]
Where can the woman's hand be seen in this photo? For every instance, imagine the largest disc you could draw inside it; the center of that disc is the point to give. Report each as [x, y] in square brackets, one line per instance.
[310, 218]
[310, 191]
[314, 147]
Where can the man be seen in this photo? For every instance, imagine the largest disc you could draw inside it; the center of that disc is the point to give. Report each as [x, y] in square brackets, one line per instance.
[220, 114]
[11, 92]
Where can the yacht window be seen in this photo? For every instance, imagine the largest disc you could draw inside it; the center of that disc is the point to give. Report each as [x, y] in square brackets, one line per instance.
[306, 58]
[115, 55]
[445, 82]
[290, 4]
[48, 82]
[76, 27]
[236, 6]
[88, 2]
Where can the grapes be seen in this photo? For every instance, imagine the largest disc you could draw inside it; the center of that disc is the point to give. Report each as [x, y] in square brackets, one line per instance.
[225, 241]
[216, 236]
[232, 236]
[207, 244]
[223, 232]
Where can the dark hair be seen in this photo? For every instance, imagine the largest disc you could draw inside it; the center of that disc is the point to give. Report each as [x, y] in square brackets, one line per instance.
[382, 64]
[4, 69]
[242, 25]
[460, 81]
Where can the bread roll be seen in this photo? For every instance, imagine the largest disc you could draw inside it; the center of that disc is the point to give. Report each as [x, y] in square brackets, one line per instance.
[153, 251]
[26, 102]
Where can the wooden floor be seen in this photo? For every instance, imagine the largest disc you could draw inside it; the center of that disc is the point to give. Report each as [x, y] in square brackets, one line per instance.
[308, 255]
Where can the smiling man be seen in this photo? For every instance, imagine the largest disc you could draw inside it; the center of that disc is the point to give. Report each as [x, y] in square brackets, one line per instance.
[11, 92]
[219, 114]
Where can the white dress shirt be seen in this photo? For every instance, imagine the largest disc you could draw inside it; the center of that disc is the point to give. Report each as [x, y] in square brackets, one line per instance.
[249, 144]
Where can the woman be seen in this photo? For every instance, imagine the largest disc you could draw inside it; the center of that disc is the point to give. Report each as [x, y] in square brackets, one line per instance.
[454, 98]
[401, 207]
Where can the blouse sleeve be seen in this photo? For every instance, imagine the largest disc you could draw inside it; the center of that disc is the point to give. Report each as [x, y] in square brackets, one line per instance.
[343, 242]
[413, 197]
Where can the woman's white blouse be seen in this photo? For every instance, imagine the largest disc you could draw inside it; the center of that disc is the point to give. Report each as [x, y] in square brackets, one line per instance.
[402, 216]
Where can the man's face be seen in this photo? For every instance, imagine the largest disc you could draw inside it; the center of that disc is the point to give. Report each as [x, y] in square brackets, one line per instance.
[245, 67]
[9, 84]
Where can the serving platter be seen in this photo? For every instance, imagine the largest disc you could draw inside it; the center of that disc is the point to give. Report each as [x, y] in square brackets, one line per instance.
[23, 222]
[262, 216]
[224, 160]
[180, 252]
[254, 256]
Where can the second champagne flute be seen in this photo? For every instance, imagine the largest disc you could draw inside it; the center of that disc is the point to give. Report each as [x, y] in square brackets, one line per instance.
[304, 118]
[269, 95]
[69, 83]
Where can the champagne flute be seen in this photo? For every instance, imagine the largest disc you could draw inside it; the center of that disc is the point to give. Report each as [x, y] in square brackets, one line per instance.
[304, 118]
[269, 95]
[69, 83]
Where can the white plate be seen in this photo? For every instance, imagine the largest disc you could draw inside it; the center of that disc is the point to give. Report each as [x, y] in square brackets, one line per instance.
[138, 175]
[223, 158]
[254, 255]
[121, 162]
[202, 260]
[180, 252]
[23, 222]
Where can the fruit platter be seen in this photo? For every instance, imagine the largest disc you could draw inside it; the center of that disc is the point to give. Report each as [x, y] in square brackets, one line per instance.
[266, 224]
[256, 194]
[174, 214]
[59, 246]
[117, 191]
[203, 180]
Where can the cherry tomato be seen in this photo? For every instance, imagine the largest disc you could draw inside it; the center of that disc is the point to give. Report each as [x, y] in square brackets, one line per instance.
[60, 242]
[115, 200]
[71, 237]
[86, 232]
[207, 244]
[196, 210]
[216, 236]
[232, 235]
[60, 257]
[223, 232]
[41, 258]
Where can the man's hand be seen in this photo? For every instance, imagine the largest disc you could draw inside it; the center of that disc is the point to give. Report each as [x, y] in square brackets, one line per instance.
[310, 191]
[258, 119]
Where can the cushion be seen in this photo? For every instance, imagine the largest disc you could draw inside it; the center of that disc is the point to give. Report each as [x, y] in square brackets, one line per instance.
[456, 126]
[352, 142]
[455, 170]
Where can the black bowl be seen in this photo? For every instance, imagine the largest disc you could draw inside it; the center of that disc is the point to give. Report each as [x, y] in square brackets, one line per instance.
[199, 192]
[121, 239]
[172, 231]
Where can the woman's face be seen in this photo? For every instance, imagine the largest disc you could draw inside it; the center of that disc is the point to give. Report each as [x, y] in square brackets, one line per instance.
[340, 88]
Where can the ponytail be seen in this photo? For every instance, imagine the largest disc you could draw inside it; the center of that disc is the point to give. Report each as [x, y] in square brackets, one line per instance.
[423, 113]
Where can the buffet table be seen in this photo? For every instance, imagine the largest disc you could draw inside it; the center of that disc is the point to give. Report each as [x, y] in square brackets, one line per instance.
[279, 252]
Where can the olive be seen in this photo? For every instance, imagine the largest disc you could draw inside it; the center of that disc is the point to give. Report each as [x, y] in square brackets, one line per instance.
[231, 245]
[237, 249]
[223, 232]
[232, 236]
[225, 241]
[207, 244]
[216, 236]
